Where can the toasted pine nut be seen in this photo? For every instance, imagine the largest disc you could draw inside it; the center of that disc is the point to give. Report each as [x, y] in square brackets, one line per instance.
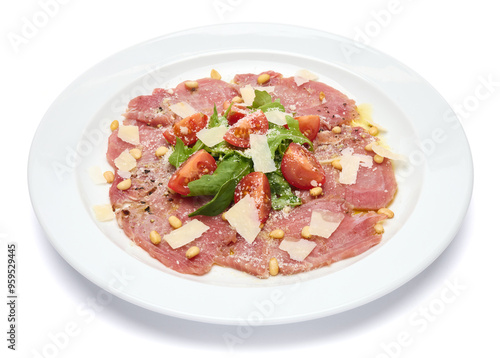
[379, 229]
[336, 164]
[109, 176]
[192, 252]
[175, 222]
[274, 268]
[373, 130]
[237, 99]
[114, 125]
[321, 96]
[223, 216]
[215, 75]
[305, 232]
[124, 185]
[263, 78]
[387, 212]
[161, 151]
[317, 191]
[155, 237]
[378, 158]
[287, 209]
[192, 85]
[336, 130]
[277, 234]
[136, 153]
[368, 147]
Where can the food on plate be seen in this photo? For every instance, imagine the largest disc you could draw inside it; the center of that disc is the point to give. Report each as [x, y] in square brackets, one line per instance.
[264, 174]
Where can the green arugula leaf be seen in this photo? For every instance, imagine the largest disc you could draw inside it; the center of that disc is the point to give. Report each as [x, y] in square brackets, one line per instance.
[182, 152]
[281, 192]
[219, 202]
[280, 137]
[261, 98]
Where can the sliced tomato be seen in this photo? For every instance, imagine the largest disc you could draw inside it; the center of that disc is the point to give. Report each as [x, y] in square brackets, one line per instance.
[236, 113]
[239, 133]
[301, 168]
[197, 165]
[309, 125]
[257, 186]
[186, 129]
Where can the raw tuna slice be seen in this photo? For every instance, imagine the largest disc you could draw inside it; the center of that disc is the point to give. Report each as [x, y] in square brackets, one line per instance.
[333, 107]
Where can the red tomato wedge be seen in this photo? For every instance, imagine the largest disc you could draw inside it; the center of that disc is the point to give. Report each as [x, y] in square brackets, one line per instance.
[197, 165]
[239, 133]
[186, 129]
[257, 186]
[301, 168]
[235, 114]
[309, 125]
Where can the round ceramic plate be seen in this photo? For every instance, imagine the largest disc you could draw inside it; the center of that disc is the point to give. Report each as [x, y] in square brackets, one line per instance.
[434, 182]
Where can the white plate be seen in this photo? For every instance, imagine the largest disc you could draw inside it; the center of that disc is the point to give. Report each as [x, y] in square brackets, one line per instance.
[435, 183]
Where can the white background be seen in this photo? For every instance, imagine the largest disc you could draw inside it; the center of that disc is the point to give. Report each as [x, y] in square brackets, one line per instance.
[452, 45]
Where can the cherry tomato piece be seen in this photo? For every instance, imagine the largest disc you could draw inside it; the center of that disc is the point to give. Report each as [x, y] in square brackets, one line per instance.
[197, 165]
[309, 125]
[239, 133]
[257, 186]
[186, 129]
[301, 168]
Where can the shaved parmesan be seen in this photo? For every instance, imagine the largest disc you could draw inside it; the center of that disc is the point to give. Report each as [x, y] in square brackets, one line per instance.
[350, 166]
[185, 234]
[182, 109]
[248, 95]
[103, 212]
[124, 175]
[268, 89]
[244, 217]
[95, 174]
[304, 76]
[276, 117]
[125, 161]
[261, 154]
[298, 250]
[386, 153]
[129, 134]
[324, 223]
[212, 136]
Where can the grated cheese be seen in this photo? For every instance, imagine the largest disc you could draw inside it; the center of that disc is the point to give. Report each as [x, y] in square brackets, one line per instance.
[183, 109]
[324, 223]
[212, 136]
[185, 234]
[261, 154]
[125, 161]
[129, 134]
[298, 250]
[244, 218]
[103, 212]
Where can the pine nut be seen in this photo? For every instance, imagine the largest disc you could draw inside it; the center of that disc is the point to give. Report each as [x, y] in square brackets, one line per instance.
[215, 75]
[175, 222]
[316, 191]
[155, 237]
[336, 164]
[191, 85]
[378, 158]
[373, 130]
[336, 130]
[237, 99]
[124, 185]
[379, 229]
[109, 176]
[305, 232]
[387, 212]
[368, 147]
[321, 96]
[277, 234]
[263, 78]
[161, 151]
[136, 153]
[192, 252]
[274, 268]
[223, 216]
[114, 125]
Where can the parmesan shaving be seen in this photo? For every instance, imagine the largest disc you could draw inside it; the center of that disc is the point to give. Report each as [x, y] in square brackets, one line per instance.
[103, 212]
[268, 89]
[304, 76]
[298, 250]
[183, 109]
[248, 95]
[129, 134]
[261, 154]
[276, 117]
[324, 223]
[244, 217]
[386, 153]
[212, 136]
[95, 174]
[125, 161]
[185, 234]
